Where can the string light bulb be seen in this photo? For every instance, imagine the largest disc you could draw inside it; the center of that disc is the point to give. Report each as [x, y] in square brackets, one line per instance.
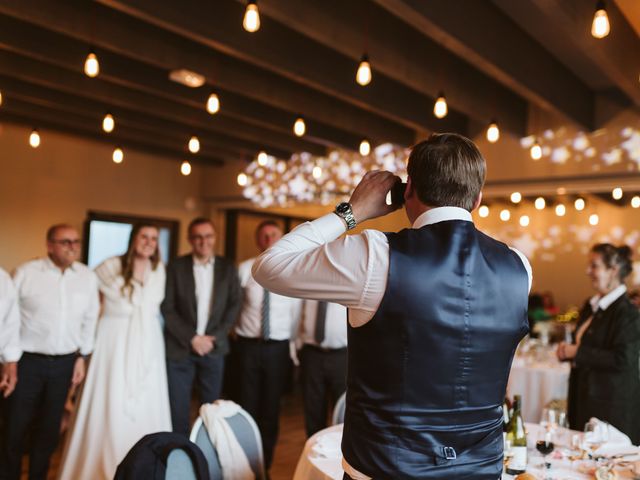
[91, 65]
[579, 204]
[483, 211]
[108, 123]
[536, 151]
[317, 172]
[263, 159]
[251, 20]
[540, 203]
[524, 221]
[594, 219]
[185, 168]
[600, 26]
[213, 103]
[616, 193]
[505, 215]
[493, 132]
[34, 138]
[363, 75]
[299, 127]
[118, 155]
[635, 202]
[561, 210]
[194, 144]
[516, 197]
[440, 108]
[365, 147]
[242, 179]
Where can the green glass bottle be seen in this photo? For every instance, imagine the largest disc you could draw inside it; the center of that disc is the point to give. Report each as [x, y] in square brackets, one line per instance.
[517, 437]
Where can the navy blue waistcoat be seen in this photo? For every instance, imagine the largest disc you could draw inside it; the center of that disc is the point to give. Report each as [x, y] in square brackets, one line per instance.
[427, 374]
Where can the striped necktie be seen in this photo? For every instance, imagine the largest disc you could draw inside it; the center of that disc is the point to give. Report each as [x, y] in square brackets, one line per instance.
[266, 325]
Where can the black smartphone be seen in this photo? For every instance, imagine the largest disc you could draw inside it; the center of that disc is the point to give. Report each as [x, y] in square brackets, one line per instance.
[397, 193]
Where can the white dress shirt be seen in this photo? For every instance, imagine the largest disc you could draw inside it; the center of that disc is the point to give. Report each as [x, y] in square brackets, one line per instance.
[602, 303]
[58, 310]
[9, 320]
[284, 312]
[335, 333]
[203, 276]
[312, 262]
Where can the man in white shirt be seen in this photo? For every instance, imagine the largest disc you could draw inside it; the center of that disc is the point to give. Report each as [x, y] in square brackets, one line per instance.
[323, 360]
[435, 314]
[9, 335]
[59, 305]
[201, 304]
[266, 324]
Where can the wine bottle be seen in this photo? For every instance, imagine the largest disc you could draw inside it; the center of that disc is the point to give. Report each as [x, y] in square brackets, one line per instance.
[518, 440]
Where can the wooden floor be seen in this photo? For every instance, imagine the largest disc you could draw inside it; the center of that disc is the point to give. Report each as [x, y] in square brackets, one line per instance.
[288, 449]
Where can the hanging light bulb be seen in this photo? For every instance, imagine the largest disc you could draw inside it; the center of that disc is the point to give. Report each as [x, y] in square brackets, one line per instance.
[440, 107]
[194, 144]
[493, 132]
[242, 179]
[616, 193]
[516, 197]
[317, 172]
[108, 123]
[635, 202]
[594, 219]
[363, 75]
[505, 215]
[118, 155]
[483, 211]
[299, 127]
[561, 210]
[579, 204]
[536, 151]
[185, 168]
[262, 159]
[91, 65]
[600, 26]
[365, 147]
[251, 20]
[213, 103]
[540, 203]
[524, 220]
[34, 138]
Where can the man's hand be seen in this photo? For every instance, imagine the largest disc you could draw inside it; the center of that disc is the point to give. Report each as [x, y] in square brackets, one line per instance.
[566, 351]
[79, 370]
[8, 378]
[203, 344]
[368, 200]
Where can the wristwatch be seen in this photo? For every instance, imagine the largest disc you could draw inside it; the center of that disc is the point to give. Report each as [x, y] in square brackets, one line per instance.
[344, 211]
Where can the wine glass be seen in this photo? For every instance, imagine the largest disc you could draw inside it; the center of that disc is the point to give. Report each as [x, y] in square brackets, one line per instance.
[549, 419]
[545, 446]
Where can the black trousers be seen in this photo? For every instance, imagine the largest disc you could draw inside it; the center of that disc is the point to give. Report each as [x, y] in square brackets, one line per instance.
[207, 371]
[324, 379]
[263, 367]
[38, 402]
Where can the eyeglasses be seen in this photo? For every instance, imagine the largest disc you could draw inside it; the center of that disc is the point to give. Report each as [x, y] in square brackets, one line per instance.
[202, 237]
[65, 242]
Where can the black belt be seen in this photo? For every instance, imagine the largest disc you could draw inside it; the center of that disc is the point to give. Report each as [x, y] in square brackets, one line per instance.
[324, 349]
[50, 357]
[260, 340]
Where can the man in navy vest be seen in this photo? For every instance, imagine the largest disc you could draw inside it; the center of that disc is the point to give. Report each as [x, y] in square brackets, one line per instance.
[435, 314]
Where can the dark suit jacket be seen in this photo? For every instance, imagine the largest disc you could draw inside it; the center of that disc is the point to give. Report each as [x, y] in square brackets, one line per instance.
[180, 310]
[605, 381]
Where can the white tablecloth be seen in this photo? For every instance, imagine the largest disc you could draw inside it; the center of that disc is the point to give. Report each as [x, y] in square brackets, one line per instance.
[538, 382]
[321, 459]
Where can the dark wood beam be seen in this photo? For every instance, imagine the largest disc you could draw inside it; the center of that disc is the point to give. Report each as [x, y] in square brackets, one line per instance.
[135, 39]
[401, 53]
[483, 35]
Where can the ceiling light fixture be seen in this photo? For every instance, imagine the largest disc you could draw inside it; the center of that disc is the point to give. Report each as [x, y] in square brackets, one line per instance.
[194, 144]
[536, 150]
[91, 65]
[561, 210]
[600, 27]
[540, 203]
[363, 75]
[365, 147]
[617, 193]
[594, 219]
[440, 108]
[483, 211]
[242, 179]
[516, 197]
[213, 103]
[108, 123]
[187, 78]
[185, 168]
[263, 158]
[299, 127]
[635, 202]
[505, 215]
[251, 20]
[118, 155]
[524, 221]
[317, 172]
[34, 138]
[493, 132]
[579, 204]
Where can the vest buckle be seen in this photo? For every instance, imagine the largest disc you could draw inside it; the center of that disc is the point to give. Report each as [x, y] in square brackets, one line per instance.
[449, 453]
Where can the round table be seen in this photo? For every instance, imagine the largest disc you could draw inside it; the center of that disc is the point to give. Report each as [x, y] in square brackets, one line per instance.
[321, 458]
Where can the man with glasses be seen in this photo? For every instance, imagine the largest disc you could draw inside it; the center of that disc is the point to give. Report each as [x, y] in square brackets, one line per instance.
[59, 306]
[201, 304]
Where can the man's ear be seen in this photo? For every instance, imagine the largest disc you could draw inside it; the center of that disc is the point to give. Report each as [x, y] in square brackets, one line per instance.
[408, 191]
[477, 202]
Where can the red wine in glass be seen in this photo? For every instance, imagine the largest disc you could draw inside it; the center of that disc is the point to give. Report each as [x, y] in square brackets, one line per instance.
[544, 447]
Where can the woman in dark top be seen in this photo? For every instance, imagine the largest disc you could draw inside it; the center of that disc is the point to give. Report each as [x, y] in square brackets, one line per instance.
[605, 378]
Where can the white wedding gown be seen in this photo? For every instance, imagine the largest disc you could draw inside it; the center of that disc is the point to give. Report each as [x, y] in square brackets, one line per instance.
[125, 394]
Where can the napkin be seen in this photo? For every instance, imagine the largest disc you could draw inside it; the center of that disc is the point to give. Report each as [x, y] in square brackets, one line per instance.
[328, 445]
[618, 442]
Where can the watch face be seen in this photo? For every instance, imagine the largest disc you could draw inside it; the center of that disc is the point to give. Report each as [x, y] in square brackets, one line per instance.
[343, 207]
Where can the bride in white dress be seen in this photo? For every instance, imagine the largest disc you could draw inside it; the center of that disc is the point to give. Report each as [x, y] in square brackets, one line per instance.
[125, 395]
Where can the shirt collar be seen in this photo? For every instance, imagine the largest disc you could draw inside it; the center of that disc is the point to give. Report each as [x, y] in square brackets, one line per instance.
[198, 263]
[441, 214]
[602, 303]
[48, 263]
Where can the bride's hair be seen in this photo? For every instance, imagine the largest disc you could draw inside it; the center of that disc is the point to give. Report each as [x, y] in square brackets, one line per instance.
[128, 258]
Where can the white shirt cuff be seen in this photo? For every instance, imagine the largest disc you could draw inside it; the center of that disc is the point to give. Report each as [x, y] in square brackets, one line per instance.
[329, 227]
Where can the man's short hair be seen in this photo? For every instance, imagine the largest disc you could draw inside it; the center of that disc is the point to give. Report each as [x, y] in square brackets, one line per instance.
[268, 223]
[199, 221]
[53, 230]
[447, 169]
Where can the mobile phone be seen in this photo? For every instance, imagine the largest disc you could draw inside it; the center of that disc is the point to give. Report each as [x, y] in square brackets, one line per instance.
[396, 194]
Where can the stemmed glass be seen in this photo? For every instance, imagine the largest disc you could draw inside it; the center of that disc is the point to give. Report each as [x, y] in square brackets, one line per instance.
[545, 446]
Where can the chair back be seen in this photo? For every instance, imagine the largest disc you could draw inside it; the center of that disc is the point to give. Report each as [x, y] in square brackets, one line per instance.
[248, 436]
[179, 466]
[338, 410]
